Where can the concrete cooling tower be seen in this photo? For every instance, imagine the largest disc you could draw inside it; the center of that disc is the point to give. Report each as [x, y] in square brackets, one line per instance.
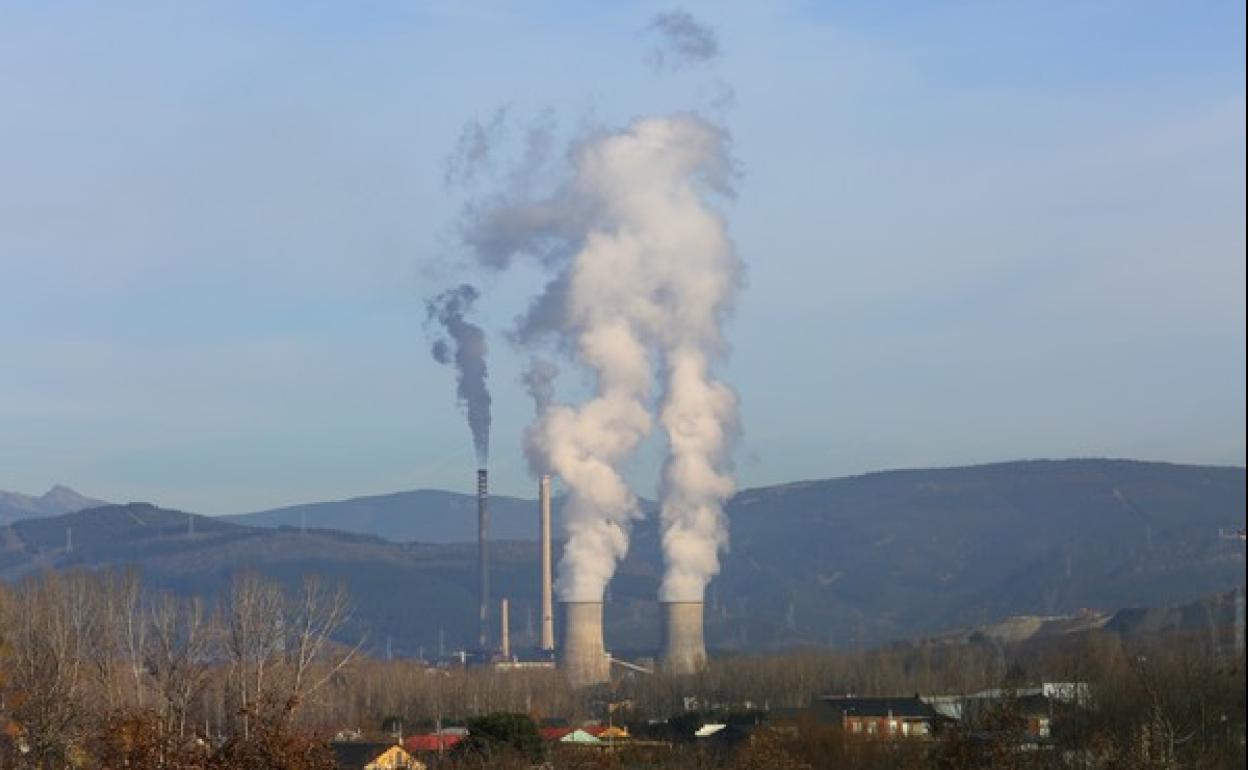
[684, 651]
[582, 655]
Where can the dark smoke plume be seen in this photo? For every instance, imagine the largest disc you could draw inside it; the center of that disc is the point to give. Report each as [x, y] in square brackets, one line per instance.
[683, 42]
[474, 153]
[464, 347]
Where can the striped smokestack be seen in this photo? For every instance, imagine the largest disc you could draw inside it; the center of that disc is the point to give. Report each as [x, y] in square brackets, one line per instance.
[547, 595]
[483, 556]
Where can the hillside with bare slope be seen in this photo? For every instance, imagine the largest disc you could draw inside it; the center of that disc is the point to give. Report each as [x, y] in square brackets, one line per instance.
[861, 560]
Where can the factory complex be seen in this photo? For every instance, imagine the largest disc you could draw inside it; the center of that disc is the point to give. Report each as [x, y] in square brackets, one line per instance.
[581, 651]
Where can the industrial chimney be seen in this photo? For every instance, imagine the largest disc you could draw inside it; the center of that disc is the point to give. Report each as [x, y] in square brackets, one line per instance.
[504, 628]
[581, 653]
[547, 593]
[483, 557]
[684, 651]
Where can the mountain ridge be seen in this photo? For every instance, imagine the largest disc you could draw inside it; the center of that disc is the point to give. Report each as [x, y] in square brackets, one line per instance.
[433, 515]
[57, 500]
[838, 562]
[428, 515]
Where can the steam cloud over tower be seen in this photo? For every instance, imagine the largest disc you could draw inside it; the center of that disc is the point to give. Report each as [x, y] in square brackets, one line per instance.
[641, 275]
[644, 274]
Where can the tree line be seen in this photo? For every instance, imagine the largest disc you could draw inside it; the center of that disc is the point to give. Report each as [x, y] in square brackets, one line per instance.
[94, 669]
[99, 671]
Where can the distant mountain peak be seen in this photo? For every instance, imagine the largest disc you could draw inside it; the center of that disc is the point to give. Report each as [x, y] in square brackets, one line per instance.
[62, 492]
[56, 501]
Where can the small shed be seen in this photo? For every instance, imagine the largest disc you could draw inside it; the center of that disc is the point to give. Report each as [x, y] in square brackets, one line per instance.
[614, 733]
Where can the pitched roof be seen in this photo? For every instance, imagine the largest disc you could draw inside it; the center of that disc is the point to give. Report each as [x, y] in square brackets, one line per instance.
[431, 742]
[354, 755]
[910, 707]
[579, 736]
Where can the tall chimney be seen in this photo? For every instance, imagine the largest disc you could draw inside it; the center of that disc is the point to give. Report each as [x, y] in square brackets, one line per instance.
[504, 627]
[684, 651]
[548, 608]
[483, 557]
[581, 653]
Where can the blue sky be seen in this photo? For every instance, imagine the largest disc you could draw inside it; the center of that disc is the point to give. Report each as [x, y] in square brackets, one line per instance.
[974, 232]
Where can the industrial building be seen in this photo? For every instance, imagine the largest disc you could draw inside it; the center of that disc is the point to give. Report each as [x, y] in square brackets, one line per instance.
[581, 649]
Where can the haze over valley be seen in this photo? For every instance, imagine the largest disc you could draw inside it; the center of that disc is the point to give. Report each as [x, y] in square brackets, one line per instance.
[842, 562]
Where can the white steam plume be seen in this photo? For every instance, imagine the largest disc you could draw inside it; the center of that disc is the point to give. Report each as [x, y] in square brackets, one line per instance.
[539, 381]
[700, 417]
[643, 274]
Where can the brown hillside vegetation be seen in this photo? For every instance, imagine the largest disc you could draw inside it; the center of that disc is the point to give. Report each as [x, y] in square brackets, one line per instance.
[96, 672]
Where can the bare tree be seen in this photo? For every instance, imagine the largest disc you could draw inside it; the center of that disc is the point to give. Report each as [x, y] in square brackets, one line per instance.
[50, 625]
[314, 616]
[182, 651]
[281, 648]
[123, 638]
[253, 641]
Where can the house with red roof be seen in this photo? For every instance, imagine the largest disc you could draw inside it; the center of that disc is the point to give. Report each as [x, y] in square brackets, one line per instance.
[433, 743]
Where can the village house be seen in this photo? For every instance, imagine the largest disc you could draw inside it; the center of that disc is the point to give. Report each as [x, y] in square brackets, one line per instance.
[884, 718]
[1039, 705]
[361, 755]
[575, 736]
[432, 743]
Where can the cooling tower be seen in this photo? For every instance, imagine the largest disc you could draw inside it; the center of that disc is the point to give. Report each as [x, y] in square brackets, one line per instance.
[684, 652]
[581, 653]
[548, 609]
[483, 557]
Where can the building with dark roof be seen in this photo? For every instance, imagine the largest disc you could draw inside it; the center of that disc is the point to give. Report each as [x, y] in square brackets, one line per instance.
[889, 718]
[1039, 706]
[362, 755]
